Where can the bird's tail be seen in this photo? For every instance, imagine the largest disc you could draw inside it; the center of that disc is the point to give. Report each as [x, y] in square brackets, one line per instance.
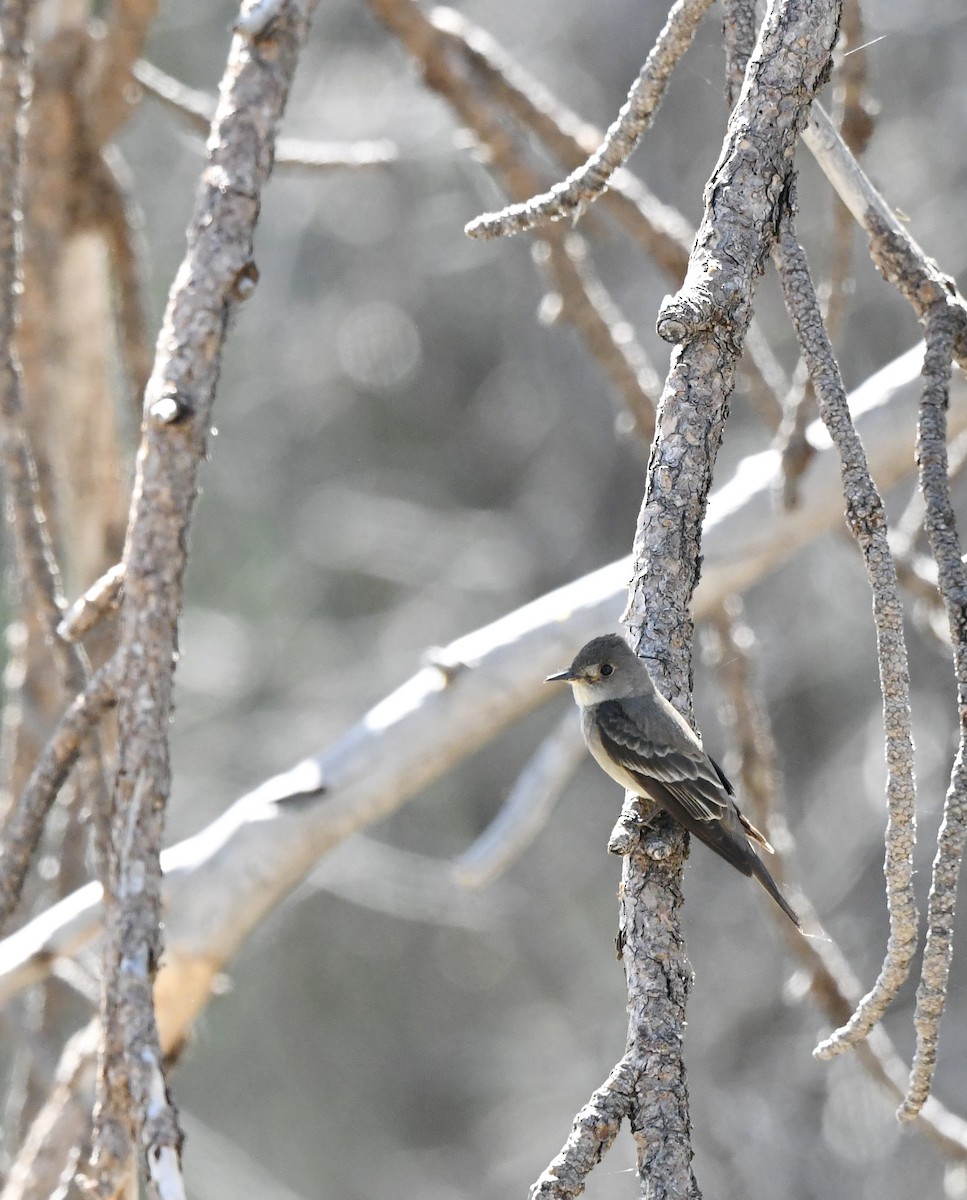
[763, 876]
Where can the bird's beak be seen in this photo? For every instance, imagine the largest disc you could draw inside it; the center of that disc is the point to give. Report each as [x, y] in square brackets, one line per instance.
[567, 676]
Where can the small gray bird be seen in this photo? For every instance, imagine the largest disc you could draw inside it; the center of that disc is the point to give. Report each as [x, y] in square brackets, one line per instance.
[647, 746]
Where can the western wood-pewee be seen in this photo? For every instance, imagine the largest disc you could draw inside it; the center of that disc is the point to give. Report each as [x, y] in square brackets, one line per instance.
[647, 746]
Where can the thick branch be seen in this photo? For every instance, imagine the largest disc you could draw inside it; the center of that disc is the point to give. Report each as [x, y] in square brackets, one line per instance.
[178, 407]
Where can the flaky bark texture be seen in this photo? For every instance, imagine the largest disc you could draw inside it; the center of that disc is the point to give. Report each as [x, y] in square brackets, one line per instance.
[709, 316]
[177, 418]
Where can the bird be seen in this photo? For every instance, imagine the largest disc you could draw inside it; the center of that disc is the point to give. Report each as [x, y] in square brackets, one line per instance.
[645, 744]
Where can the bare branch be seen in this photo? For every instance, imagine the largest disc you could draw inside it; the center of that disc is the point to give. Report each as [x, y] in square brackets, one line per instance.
[119, 220]
[110, 95]
[584, 185]
[738, 34]
[24, 824]
[594, 1130]
[945, 325]
[659, 229]
[856, 125]
[527, 808]
[88, 610]
[743, 200]
[177, 420]
[867, 521]
[894, 252]
[832, 986]
[222, 882]
[584, 300]
[35, 555]
[196, 110]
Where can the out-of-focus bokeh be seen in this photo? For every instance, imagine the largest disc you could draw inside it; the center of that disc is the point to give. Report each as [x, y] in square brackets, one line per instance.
[405, 452]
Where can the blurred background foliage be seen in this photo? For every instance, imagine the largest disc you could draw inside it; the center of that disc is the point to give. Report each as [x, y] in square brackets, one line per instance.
[404, 452]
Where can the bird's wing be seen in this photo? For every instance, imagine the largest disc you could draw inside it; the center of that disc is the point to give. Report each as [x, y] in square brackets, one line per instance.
[663, 756]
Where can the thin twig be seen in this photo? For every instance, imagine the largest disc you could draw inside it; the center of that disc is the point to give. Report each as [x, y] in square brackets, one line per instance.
[196, 109]
[585, 303]
[88, 610]
[867, 521]
[110, 98]
[584, 185]
[527, 809]
[118, 217]
[22, 829]
[659, 229]
[894, 252]
[856, 127]
[945, 323]
[795, 449]
[832, 985]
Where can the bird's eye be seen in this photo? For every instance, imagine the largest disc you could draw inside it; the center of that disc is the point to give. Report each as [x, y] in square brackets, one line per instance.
[607, 669]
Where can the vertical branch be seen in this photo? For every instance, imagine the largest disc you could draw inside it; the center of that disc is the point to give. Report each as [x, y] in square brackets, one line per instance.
[941, 525]
[867, 521]
[709, 317]
[177, 418]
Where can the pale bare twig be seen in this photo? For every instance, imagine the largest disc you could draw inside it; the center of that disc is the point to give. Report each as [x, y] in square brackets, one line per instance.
[894, 252]
[110, 95]
[526, 809]
[856, 127]
[583, 301]
[89, 609]
[943, 327]
[401, 883]
[196, 109]
[116, 214]
[585, 184]
[867, 521]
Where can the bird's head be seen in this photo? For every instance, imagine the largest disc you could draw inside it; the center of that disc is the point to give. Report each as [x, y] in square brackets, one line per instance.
[604, 669]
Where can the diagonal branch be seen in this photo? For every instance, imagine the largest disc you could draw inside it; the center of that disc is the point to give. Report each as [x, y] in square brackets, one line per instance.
[895, 254]
[584, 302]
[585, 184]
[24, 825]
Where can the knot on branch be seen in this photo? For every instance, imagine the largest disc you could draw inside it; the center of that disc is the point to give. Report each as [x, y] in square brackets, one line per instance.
[686, 314]
[171, 408]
